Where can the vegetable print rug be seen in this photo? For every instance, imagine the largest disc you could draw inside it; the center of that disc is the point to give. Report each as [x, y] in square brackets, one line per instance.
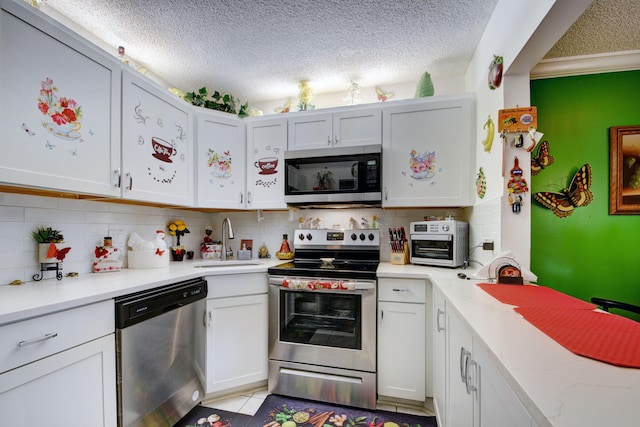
[280, 411]
[209, 417]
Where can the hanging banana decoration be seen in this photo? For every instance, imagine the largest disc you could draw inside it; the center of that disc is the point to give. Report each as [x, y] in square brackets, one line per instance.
[491, 130]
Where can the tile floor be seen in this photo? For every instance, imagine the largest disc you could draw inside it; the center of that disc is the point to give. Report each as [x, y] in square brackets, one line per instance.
[249, 402]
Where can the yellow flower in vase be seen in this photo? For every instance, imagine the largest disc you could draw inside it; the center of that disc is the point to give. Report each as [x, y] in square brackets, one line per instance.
[178, 228]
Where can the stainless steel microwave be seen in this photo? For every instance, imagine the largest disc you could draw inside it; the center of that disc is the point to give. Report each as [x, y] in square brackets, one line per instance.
[338, 175]
[442, 243]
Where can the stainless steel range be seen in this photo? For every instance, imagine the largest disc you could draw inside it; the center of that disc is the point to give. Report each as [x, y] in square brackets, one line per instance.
[322, 342]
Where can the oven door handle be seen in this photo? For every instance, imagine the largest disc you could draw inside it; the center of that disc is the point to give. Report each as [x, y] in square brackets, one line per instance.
[302, 283]
[432, 237]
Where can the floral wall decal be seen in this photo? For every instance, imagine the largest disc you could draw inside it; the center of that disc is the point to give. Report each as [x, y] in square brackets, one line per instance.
[219, 163]
[422, 165]
[63, 114]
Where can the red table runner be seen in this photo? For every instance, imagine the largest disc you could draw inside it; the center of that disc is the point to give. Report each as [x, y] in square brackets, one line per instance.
[573, 323]
[601, 336]
[536, 296]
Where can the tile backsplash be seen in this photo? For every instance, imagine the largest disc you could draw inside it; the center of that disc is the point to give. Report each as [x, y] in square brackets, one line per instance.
[84, 225]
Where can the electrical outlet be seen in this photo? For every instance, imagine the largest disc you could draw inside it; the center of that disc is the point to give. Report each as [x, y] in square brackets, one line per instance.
[487, 245]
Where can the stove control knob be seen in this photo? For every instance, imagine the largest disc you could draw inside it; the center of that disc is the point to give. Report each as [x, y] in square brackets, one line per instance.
[309, 236]
[371, 236]
[301, 236]
[445, 227]
[362, 236]
[354, 236]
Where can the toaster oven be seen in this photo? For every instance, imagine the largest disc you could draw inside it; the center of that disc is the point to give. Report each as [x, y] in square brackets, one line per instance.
[443, 243]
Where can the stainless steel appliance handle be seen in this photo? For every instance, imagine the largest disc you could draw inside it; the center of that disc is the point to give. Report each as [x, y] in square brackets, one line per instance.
[434, 237]
[359, 285]
[37, 340]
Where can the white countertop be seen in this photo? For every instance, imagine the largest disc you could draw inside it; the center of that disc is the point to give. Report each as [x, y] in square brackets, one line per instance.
[49, 295]
[558, 387]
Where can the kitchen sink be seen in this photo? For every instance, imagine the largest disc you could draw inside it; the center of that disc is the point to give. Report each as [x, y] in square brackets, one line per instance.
[229, 263]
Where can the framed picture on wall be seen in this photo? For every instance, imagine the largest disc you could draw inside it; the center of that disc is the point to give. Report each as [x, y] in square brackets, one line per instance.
[624, 170]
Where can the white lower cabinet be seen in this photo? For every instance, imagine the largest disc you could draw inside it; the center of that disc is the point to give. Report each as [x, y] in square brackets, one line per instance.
[402, 338]
[236, 331]
[469, 391]
[440, 355]
[463, 395]
[53, 374]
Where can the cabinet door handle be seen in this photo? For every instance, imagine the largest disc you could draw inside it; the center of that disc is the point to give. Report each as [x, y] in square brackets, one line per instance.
[118, 183]
[130, 181]
[248, 197]
[438, 327]
[329, 140]
[470, 387]
[209, 318]
[335, 139]
[464, 356]
[37, 340]
[386, 193]
[400, 290]
[241, 197]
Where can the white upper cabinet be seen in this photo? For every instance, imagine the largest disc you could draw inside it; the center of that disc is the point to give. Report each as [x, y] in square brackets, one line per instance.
[157, 143]
[60, 110]
[343, 127]
[428, 152]
[221, 160]
[266, 144]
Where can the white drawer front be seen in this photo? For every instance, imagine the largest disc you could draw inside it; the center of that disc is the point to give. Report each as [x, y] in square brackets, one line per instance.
[29, 340]
[233, 285]
[402, 290]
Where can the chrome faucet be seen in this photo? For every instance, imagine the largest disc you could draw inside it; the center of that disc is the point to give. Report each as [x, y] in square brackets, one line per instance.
[228, 230]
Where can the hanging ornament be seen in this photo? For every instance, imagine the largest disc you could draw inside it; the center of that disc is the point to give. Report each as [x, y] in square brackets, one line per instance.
[353, 94]
[516, 186]
[481, 183]
[495, 72]
[491, 130]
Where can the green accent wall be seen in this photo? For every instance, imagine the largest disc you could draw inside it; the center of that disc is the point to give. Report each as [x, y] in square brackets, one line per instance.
[590, 253]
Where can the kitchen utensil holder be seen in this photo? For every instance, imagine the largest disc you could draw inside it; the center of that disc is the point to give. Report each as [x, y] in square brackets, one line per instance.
[401, 258]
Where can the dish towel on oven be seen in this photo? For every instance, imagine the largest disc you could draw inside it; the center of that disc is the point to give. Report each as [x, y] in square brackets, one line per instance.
[574, 323]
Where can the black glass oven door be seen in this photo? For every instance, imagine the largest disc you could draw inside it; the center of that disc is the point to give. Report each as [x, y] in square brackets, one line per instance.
[433, 248]
[321, 318]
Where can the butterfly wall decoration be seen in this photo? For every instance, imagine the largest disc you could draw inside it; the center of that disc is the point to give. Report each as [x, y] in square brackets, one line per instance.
[541, 159]
[382, 96]
[578, 194]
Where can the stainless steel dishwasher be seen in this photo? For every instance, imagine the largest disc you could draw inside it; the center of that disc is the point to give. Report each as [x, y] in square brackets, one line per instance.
[160, 353]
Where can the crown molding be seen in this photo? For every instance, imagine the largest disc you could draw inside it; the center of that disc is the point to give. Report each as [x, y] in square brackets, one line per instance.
[587, 64]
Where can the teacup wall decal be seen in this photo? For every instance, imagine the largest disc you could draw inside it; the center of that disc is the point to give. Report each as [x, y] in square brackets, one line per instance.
[162, 149]
[267, 165]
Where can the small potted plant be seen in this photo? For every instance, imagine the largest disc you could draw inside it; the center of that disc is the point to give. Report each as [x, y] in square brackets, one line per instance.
[50, 247]
[178, 228]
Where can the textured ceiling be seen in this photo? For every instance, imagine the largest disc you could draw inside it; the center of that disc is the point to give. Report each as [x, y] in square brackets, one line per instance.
[606, 26]
[259, 50]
